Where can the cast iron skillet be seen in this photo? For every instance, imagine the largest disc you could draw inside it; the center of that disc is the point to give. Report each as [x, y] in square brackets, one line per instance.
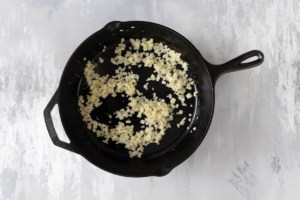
[178, 143]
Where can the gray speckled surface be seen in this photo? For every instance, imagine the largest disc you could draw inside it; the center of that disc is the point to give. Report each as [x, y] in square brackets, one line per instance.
[252, 150]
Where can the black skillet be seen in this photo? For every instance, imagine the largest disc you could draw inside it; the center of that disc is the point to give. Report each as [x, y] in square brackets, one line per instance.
[178, 143]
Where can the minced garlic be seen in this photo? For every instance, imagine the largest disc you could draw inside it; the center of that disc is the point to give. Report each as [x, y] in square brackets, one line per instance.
[155, 114]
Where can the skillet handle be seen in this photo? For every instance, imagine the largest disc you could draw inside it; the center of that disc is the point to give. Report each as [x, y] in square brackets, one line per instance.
[49, 123]
[236, 64]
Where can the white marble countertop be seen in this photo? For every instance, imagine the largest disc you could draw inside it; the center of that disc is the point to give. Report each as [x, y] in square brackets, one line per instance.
[252, 149]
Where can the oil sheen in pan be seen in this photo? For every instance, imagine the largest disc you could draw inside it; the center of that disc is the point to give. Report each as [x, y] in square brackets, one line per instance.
[111, 104]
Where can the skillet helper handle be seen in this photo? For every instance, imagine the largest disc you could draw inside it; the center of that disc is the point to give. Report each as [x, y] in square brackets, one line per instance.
[236, 64]
[51, 130]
